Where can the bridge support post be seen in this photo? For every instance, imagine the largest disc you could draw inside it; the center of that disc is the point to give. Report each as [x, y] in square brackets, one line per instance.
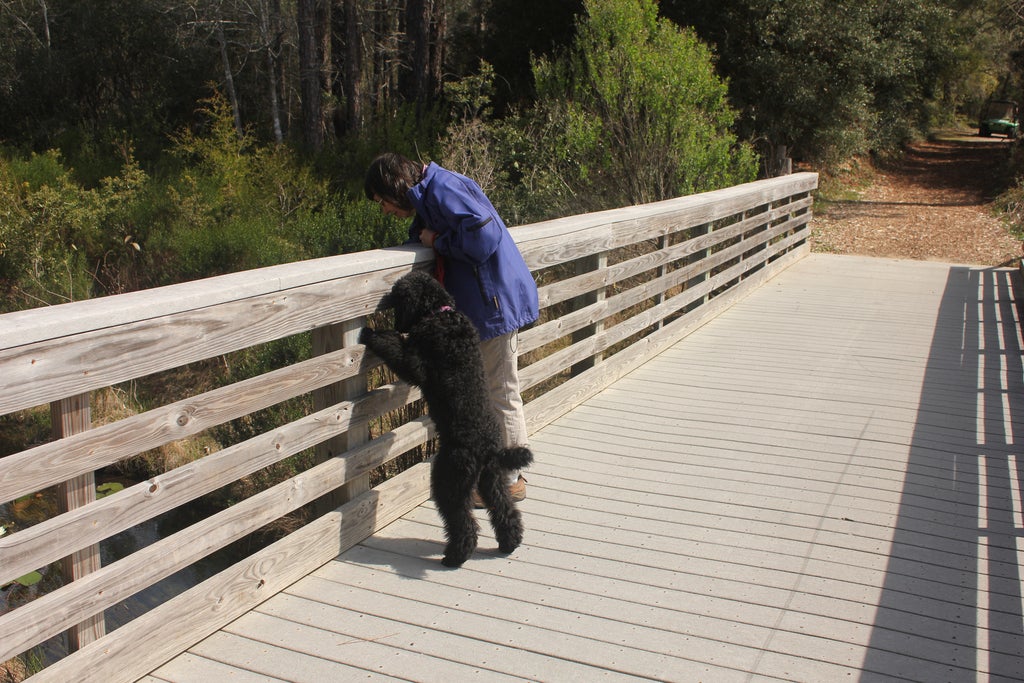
[72, 416]
[663, 244]
[755, 252]
[325, 340]
[697, 231]
[585, 265]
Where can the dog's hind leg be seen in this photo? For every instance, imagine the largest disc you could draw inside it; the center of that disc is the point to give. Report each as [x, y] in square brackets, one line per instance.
[505, 518]
[451, 484]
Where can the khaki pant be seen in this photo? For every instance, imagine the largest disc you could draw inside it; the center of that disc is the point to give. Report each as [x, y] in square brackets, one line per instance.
[501, 372]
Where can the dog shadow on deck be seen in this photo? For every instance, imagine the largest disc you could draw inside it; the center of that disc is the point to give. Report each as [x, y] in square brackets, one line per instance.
[414, 558]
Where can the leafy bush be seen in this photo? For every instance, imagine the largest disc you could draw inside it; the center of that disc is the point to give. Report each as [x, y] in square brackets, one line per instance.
[664, 121]
[1010, 207]
[632, 113]
[635, 112]
[239, 205]
[61, 242]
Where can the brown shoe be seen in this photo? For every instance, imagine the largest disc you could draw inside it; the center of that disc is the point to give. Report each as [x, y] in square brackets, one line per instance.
[516, 491]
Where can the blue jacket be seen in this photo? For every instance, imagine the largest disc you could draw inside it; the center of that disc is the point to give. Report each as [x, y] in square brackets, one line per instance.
[483, 269]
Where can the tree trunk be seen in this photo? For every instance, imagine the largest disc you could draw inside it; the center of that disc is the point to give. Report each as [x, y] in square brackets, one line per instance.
[229, 79]
[438, 52]
[272, 36]
[385, 53]
[352, 70]
[417, 30]
[323, 11]
[425, 25]
[46, 25]
[309, 76]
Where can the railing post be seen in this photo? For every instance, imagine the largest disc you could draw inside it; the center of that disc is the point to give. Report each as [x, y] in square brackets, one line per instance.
[662, 271]
[595, 262]
[743, 239]
[325, 340]
[696, 257]
[761, 212]
[72, 416]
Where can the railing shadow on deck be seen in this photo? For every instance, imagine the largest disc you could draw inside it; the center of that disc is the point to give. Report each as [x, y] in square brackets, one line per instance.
[616, 287]
[954, 572]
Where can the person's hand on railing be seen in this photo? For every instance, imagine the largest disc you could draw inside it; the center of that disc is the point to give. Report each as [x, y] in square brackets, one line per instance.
[427, 237]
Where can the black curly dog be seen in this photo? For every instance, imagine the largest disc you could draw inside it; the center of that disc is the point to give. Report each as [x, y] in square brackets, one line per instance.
[437, 349]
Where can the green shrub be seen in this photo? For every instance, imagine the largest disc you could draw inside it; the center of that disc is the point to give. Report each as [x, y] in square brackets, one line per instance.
[238, 205]
[1010, 207]
[61, 242]
[633, 113]
[663, 120]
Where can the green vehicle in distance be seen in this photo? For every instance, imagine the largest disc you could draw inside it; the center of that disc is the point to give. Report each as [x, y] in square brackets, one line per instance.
[999, 117]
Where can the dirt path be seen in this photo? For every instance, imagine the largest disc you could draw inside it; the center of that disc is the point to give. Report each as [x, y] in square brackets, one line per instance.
[934, 205]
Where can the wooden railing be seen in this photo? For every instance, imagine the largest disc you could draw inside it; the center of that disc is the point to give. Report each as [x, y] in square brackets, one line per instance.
[616, 287]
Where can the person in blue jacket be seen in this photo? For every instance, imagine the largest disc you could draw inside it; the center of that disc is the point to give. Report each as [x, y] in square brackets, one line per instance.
[477, 262]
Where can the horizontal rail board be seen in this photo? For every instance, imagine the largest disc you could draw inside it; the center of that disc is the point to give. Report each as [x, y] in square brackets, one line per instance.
[579, 319]
[44, 371]
[576, 286]
[567, 239]
[23, 328]
[52, 613]
[45, 465]
[217, 601]
[47, 541]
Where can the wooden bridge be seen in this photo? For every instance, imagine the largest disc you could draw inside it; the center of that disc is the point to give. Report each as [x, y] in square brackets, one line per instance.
[754, 463]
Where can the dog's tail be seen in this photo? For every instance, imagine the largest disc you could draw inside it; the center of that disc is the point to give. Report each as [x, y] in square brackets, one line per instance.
[515, 458]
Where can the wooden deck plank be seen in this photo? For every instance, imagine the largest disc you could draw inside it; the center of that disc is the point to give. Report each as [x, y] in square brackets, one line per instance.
[822, 483]
[500, 662]
[734, 591]
[289, 628]
[191, 667]
[711, 568]
[258, 658]
[860, 499]
[424, 647]
[737, 582]
[502, 618]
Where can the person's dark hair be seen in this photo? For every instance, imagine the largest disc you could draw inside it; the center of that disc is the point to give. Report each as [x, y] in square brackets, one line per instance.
[390, 176]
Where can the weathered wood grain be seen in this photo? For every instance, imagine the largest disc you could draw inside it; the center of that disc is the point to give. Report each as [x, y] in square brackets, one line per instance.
[107, 586]
[47, 370]
[36, 468]
[566, 239]
[54, 538]
[546, 332]
[24, 328]
[130, 653]
[571, 393]
[572, 287]
[610, 306]
[72, 416]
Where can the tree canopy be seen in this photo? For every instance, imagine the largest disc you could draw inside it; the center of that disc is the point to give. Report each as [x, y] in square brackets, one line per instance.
[825, 78]
[658, 115]
[147, 141]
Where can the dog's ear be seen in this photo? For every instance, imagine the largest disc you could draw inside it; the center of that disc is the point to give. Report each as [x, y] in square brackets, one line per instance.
[385, 302]
[432, 293]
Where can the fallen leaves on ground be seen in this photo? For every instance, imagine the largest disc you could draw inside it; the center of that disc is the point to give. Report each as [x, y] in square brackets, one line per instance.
[933, 204]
